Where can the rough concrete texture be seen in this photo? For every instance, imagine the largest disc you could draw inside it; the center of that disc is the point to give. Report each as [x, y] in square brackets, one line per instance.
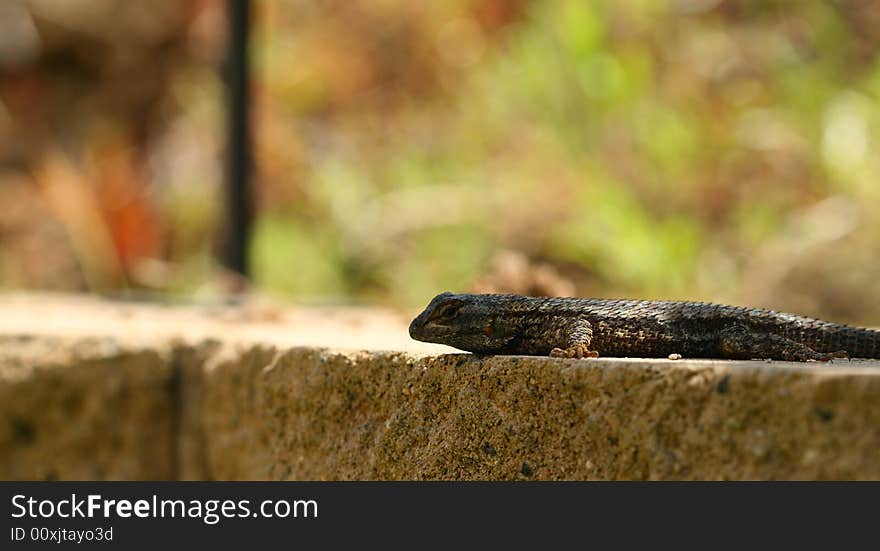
[143, 392]
[85, 409]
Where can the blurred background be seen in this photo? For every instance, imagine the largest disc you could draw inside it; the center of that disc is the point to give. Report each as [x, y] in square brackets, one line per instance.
[721, 150]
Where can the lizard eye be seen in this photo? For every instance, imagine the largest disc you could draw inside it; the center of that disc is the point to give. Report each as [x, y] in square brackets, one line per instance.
[447, 310]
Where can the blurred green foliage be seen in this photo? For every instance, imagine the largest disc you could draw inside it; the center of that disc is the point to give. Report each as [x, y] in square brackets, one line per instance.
[719, 150]
[647, 148]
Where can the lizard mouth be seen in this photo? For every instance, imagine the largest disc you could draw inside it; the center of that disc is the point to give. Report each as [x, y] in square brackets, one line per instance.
[417, 330]
[421, 331]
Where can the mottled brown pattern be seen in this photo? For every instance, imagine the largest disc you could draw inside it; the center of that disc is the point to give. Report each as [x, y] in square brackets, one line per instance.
[577, 327]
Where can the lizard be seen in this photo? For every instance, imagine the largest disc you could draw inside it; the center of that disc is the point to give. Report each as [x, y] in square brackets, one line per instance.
[588, 327]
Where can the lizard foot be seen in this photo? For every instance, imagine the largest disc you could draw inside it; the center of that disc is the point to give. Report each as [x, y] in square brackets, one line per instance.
[810, 355]
[575, 351]
[739, 342]
[840, 354]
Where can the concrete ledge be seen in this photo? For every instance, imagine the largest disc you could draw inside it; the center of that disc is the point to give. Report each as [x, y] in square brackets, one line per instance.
[202, 399]
[85, 409]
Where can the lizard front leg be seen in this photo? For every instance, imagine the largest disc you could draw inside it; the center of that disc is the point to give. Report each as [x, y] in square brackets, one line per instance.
[577, 338]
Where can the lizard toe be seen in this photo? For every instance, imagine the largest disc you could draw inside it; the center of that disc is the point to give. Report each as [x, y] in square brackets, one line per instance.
[576, 351]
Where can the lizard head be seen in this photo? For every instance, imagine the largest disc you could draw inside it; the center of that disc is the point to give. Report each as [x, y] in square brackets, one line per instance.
[467, 322]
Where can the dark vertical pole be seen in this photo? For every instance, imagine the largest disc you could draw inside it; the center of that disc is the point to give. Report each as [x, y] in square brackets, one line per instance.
[238, 188]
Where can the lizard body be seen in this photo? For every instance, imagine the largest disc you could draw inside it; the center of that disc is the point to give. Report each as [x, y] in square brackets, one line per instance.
[581, 327]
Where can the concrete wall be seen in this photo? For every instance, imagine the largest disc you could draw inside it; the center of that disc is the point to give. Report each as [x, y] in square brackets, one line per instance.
[246, 398]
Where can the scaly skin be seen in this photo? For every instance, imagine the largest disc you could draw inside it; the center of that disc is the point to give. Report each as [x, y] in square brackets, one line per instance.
[578, 328]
